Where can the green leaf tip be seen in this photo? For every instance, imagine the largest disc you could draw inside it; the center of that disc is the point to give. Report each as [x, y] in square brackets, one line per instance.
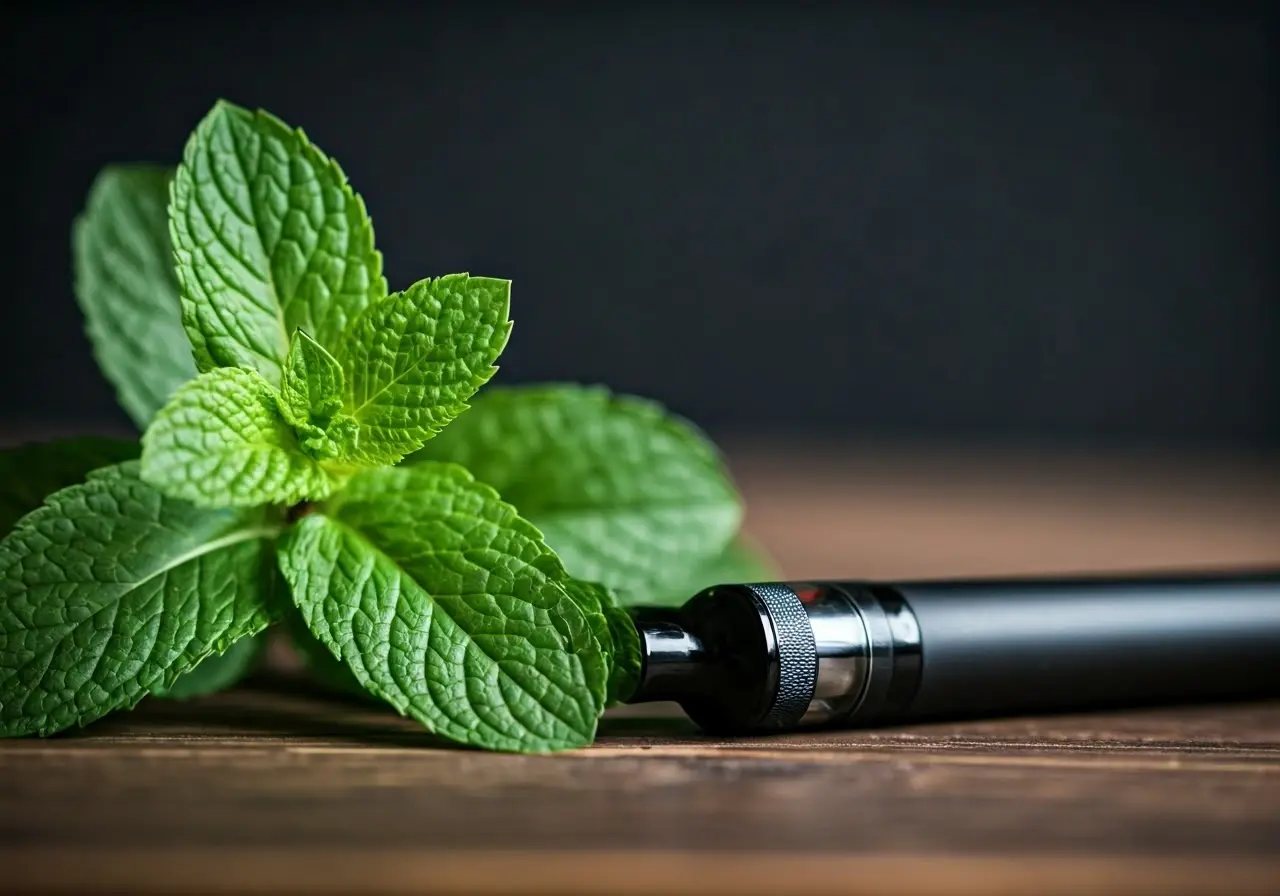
[413, 361]
[742, 560]
[268, 237]
[218, 671]
[311, 400]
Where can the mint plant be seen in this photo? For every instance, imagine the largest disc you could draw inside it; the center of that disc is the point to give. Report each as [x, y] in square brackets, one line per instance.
[315, 455]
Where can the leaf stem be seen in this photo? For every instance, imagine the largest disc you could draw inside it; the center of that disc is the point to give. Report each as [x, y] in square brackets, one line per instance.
[298, 511]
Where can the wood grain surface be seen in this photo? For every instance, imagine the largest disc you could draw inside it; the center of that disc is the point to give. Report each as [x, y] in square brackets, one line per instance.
[275, 787]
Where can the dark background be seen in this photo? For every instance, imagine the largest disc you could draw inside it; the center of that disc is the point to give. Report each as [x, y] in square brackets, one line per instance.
[993, 221]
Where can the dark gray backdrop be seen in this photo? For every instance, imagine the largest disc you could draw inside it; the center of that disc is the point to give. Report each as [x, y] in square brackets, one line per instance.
[1009, 220]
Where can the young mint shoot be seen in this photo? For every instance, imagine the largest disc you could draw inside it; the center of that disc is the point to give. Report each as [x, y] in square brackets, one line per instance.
[317, 452]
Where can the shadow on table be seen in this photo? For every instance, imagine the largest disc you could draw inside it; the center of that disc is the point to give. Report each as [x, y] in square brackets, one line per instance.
[292, 707]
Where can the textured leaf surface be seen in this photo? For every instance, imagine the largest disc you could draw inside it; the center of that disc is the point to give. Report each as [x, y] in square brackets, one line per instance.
[127, 288]
[269, 238]
[627, 660]
[742, 561]
[413, 360]
[30, 473]
[614, 631]
[111, 590]
[311, 400]
[592, 599]
[221, 441]
[627, 494]
[218, 671]
[442, 602]
[313, 382]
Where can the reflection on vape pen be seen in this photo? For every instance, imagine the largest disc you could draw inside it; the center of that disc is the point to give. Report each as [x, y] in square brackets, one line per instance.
[840, 639]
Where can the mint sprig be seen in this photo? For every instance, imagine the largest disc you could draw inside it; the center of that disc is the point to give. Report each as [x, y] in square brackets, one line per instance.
[239, 308]
[221, 441]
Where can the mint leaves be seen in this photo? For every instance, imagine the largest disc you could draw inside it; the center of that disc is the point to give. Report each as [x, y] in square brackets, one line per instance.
[446, 604]
[628, 662]
[222, 441]
[128, 291]
[111, 590]
[414, 360]
[238, 306]
[269, 238]
[216, 672]
[312, 398]
[628, 495]
[313, 382]
[614, 632]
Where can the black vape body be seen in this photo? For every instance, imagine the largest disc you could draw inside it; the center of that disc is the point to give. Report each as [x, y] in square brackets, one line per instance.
[775, 656]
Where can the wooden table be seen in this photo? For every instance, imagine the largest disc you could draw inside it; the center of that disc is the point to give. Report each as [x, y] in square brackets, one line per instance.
[274, 787]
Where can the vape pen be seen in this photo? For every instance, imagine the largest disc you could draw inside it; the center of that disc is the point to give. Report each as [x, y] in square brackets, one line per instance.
[777, 656]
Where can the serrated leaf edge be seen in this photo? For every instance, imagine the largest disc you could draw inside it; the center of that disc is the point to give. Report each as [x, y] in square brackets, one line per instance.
[182, 258]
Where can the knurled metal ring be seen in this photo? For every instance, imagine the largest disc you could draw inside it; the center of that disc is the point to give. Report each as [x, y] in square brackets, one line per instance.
[797, 655]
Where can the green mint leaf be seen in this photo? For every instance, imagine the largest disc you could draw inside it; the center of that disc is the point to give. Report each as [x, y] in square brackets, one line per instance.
[218, 671]
[443, 602]
[313, 382]
[269, 237]
[413, 360]
[221, 441]
[127, 288]
[311, 399]
[328, 670]
[337, 439]
[628, 659]
[592, 599]
[30, 473]
[741, 561]
[614, 631]
[111, 590]
[627, 494]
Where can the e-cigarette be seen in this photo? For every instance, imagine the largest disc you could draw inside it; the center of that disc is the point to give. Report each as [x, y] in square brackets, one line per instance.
[784, 655]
